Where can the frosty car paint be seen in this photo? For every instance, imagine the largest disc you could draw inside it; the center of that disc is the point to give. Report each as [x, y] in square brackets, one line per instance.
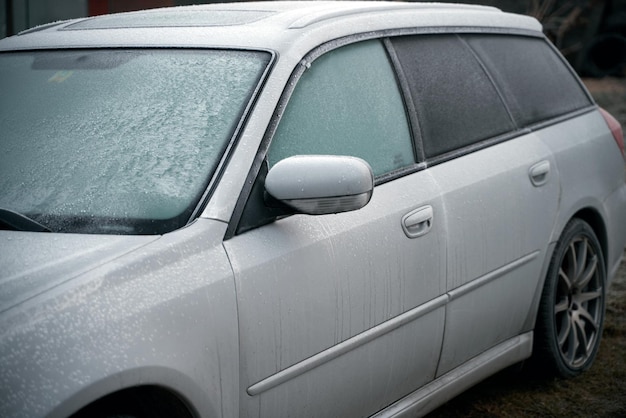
[444, 199]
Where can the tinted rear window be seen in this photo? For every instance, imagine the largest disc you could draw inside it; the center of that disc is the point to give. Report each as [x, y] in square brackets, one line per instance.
[456, 103]
[535, 81]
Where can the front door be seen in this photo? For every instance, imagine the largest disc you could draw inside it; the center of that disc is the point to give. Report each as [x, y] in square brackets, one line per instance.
[340, 315]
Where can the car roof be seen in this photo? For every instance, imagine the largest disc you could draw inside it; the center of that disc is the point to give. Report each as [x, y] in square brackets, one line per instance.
[261, 25]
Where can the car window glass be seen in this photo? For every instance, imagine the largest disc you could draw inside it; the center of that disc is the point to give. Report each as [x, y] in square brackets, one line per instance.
[457, 104]
[347, 103]
[536, 83]
[117, 141]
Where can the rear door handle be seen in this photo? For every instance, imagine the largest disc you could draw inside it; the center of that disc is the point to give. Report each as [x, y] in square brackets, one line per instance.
[418, 222]
[539, 173]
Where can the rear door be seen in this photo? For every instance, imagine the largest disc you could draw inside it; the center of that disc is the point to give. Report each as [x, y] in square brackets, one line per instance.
[340, 315]
[504, 203]
[499, 187]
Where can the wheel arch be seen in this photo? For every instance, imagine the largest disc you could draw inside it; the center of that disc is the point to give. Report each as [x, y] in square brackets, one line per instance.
[592, 217]
[549, 357]
[139, 401]
[169, 390]
[596, 222]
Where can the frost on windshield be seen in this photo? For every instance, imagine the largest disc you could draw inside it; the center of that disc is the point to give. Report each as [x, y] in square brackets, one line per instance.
[117, 134]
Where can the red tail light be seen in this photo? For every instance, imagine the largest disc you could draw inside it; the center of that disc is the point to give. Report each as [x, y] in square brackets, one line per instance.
[616, 130]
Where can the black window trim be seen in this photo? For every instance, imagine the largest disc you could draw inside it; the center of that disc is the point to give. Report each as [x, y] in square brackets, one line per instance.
[421, 162]
[518, 130]
[407, 98]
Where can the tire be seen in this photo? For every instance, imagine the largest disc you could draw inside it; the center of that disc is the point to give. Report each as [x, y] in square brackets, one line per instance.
[571, 310]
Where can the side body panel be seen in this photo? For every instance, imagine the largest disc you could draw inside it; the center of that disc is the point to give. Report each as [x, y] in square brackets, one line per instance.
[499, 226]
[592, 175]
[164, 314]
[342, 303]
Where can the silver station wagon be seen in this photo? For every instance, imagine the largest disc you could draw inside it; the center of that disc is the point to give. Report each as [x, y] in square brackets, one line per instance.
[305, 209]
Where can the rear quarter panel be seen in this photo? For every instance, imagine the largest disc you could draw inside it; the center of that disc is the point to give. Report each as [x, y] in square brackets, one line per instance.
[591, 174]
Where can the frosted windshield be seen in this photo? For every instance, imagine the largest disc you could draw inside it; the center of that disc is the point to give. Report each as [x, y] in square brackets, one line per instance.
[117, 141]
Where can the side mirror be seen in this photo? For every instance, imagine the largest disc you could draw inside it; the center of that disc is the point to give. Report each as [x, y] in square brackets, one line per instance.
[321, 184]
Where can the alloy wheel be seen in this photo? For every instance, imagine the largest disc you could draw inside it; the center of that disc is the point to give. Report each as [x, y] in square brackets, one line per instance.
[579, 304]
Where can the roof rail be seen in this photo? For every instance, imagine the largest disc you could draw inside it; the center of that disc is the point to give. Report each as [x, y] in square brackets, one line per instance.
[42, 27]
[378, 7]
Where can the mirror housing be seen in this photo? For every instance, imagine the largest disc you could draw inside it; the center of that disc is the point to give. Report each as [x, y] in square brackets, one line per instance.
[321, 184]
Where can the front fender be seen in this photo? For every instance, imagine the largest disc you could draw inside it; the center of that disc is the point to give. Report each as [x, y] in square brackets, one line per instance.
[164, 314]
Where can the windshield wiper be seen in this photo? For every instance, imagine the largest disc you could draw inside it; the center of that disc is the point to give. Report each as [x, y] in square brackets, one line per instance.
[15, 221]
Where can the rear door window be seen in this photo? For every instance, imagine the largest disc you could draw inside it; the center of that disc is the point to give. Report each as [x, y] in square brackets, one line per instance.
[457, 104]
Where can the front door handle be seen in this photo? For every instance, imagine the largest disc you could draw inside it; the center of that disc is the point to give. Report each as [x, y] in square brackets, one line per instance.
[418, 222]
[539, 173]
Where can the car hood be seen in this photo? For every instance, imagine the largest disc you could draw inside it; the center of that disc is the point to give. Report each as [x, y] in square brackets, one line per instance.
[34, 262]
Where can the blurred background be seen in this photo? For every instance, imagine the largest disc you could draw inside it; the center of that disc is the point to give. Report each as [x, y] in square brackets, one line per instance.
[591, 34]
